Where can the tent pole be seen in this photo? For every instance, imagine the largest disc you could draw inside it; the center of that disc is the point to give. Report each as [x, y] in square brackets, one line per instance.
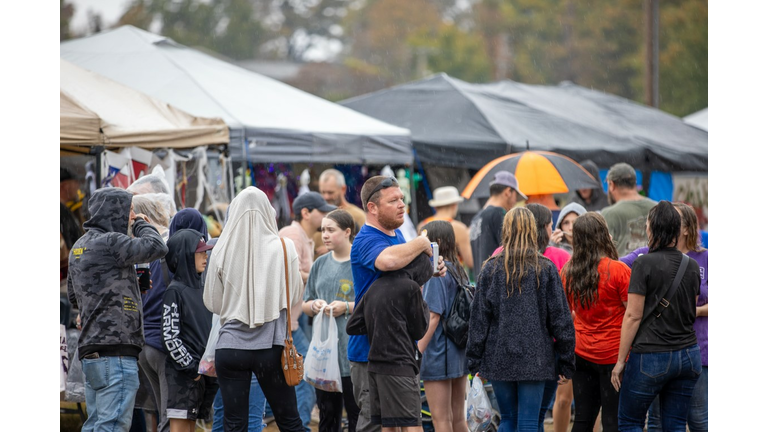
[98, 151]
[244, 165]
[414, 207]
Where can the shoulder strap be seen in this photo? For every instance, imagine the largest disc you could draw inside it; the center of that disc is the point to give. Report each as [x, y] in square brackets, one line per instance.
[664, 302]
[288, 332]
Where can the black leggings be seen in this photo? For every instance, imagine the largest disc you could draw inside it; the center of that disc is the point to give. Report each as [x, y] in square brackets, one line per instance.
[234, 368]
[330, 405]
[592, 389]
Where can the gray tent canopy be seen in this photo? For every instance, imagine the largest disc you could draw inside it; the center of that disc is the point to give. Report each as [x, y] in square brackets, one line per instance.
[268, 120]
[455, 123]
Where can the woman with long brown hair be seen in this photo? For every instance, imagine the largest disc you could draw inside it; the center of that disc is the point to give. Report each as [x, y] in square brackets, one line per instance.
[596, 287]
[444, 367]
[519, 319]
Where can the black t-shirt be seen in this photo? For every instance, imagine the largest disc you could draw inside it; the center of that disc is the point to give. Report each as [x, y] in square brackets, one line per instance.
[652, 274]
[485, 234]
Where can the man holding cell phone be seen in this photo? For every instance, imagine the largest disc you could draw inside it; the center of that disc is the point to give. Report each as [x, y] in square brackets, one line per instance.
[102, 283]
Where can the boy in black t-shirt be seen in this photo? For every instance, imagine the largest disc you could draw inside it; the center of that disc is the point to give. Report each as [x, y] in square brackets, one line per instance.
[394, 315]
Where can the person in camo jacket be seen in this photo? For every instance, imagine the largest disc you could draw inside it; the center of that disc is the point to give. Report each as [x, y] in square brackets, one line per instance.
[102, 283]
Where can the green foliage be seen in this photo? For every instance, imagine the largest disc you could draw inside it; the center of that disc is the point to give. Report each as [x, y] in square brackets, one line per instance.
[459, 54]
[66, 10]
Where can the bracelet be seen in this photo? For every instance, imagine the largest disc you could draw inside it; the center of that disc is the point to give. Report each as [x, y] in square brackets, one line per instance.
[347, 312]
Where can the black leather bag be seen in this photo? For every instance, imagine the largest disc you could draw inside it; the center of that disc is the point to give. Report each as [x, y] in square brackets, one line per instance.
[456, 324]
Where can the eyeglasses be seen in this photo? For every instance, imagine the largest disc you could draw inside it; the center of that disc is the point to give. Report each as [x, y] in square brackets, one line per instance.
[387, 183]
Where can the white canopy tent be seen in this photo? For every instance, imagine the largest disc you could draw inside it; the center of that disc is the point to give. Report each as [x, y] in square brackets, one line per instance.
[96, 111]
[269, 121]
[699, 119]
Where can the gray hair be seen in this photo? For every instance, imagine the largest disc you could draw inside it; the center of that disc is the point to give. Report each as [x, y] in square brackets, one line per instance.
[156, 207]
[340, 181]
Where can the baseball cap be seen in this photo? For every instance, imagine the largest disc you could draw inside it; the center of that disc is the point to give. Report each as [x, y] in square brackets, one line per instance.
[202, 246]
[311, 201]
[506, 178]
[621, 171]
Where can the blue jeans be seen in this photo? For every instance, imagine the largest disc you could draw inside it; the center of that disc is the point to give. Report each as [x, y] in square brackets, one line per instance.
[550, 389]
[110, 392]
[670, 375]
[256, 402]
[698, 413]
[305, 393]
[519, 404]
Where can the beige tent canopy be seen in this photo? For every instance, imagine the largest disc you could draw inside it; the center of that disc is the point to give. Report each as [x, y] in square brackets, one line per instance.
[98, 111]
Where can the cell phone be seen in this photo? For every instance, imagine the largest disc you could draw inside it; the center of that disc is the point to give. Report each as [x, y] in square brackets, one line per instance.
[435, 256]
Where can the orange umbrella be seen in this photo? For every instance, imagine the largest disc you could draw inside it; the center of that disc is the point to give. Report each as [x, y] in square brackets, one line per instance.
[537, 172]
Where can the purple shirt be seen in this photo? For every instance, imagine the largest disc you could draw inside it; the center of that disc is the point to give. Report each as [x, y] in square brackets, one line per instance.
[700, 325]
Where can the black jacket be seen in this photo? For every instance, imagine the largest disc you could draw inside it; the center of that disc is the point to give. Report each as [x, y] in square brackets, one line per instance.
[394, 315]
[186, 320]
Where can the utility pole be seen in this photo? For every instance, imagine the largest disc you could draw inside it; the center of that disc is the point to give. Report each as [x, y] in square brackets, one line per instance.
[652, 52]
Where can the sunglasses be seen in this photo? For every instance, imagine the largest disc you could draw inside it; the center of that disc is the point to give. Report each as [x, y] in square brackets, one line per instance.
[387, 183]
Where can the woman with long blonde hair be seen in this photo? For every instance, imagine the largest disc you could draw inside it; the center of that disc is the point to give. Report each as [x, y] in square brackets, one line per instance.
[519, 319]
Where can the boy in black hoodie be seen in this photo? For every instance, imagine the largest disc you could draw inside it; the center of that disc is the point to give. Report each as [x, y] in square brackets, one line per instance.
[186, 326]
[394, 315]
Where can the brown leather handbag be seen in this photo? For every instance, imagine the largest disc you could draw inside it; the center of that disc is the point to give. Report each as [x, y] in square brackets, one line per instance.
[292, 361]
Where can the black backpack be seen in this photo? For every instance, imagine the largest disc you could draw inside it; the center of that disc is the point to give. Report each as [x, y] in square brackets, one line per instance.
[456, 324]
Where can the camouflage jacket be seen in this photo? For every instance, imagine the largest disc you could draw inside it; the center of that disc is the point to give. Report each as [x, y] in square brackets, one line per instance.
[102, 280]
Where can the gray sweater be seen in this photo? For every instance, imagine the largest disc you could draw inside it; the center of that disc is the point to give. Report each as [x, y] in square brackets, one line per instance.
[515, 338]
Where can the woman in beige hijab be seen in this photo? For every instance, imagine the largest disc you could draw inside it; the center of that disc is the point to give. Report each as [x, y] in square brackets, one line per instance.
[245, 286]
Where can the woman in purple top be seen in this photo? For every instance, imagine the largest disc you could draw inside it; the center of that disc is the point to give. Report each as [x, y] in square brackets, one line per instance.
[689, 244]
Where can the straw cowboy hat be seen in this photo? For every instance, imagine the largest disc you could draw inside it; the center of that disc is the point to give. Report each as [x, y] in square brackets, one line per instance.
[445, 196]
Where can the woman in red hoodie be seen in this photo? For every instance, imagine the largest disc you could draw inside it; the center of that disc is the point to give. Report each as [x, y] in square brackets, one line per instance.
[596, 286]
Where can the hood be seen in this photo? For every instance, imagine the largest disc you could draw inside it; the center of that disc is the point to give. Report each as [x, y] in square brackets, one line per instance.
[570, 208]
[189, 218]
[110, 210]
[419, 270]
[181, 257]
[592, 169]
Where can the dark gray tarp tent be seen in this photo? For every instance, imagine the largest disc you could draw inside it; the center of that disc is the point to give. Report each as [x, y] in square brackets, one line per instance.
[272, 121]
[455, 123]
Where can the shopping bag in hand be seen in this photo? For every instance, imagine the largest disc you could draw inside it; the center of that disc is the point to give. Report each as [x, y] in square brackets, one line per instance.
[321, 365]
[479, 411]
[207, 365]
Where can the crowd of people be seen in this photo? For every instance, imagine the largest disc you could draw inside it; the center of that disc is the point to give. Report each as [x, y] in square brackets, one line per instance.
[601, 305]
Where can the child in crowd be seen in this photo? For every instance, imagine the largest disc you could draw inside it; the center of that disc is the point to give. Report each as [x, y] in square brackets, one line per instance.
[330, 284]
[394, 316]
[186, 326]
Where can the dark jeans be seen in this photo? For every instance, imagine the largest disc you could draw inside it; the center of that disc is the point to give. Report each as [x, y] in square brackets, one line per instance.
[330, 405]
[671, 375]
[592, 389]
[234, 368]
[698, 413]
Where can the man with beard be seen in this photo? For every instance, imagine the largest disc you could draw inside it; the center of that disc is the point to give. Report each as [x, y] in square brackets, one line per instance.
[629, 210]
[333, 188]
[102, 283]
[378, 247]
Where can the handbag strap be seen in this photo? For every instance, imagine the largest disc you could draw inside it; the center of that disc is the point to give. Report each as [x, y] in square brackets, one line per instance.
[664, 301]
[288, 332]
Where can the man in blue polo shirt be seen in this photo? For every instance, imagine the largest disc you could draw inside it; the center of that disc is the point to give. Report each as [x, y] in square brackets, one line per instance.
[378, 247]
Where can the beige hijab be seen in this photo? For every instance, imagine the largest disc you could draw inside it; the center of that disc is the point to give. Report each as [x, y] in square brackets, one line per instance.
[246, 279]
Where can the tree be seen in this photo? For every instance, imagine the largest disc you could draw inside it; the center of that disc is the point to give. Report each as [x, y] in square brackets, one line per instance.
[66, 11]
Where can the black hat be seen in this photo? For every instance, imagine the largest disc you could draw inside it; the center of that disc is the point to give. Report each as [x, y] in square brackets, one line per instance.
[311, 201]
[65, 174]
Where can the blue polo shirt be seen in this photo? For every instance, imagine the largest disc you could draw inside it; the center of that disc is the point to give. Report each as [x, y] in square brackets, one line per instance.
[367, 246]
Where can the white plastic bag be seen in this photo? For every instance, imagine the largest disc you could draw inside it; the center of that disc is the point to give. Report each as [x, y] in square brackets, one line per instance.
[479, 410]
[321, 365]
[207, 361]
